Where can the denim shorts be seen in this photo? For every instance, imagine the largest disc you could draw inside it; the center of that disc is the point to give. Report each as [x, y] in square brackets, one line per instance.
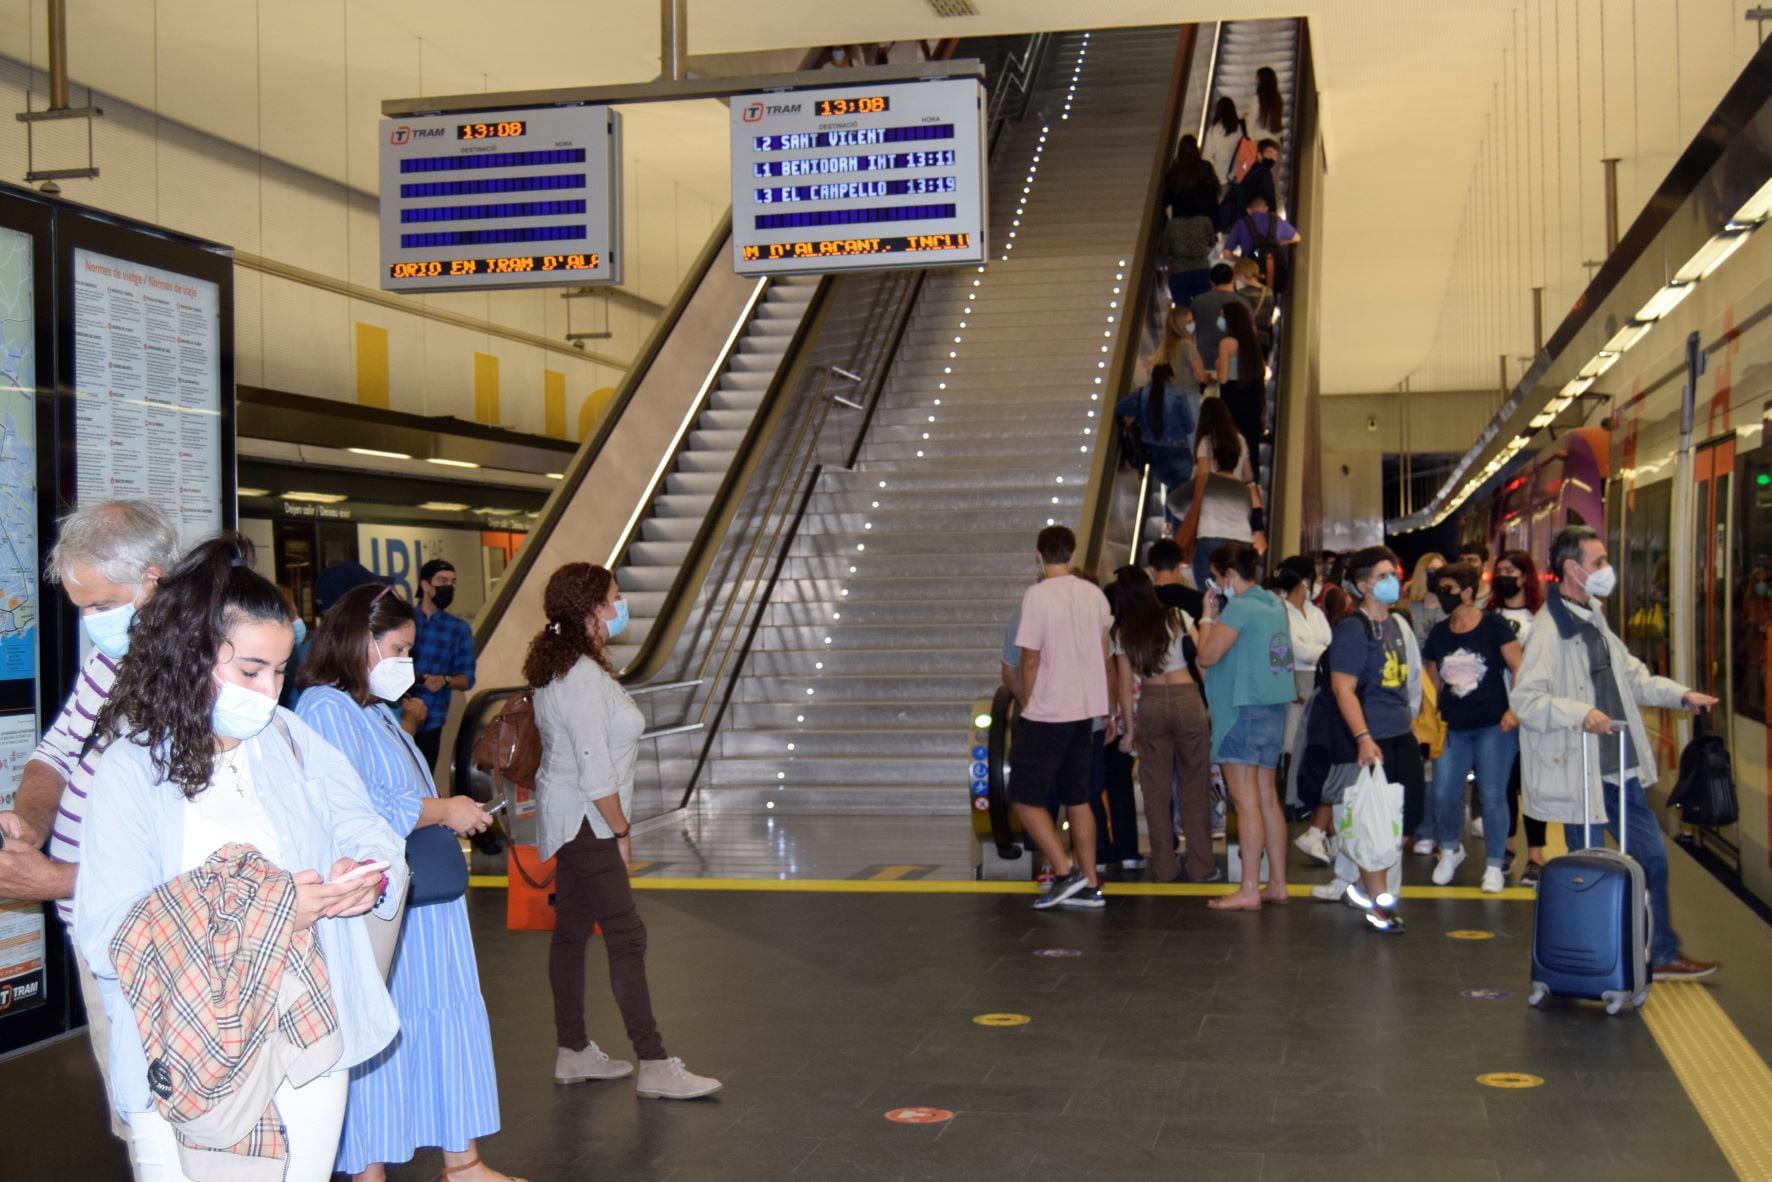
[1255, 737]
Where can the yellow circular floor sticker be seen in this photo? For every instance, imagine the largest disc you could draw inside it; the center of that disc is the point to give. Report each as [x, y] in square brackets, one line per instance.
[1470, 934]
[1002, 1020]
[1510, 1079]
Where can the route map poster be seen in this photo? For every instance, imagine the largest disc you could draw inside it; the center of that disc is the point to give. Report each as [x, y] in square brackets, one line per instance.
[18, 460]
[147, 388]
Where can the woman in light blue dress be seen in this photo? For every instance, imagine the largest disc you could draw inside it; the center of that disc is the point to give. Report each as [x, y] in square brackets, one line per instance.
[434, 1085]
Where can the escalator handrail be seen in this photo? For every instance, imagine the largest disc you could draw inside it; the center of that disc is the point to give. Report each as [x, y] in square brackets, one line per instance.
[1099, 499]
[680, 599]
[576, 472]
[1005, 709]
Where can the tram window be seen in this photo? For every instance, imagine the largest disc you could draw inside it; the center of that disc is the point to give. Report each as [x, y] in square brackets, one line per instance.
[1646, 605]
[1752, 593]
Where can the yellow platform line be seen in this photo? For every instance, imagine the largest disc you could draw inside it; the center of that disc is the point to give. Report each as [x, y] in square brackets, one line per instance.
[891, 873]
[924, 886]
[1728, 1082]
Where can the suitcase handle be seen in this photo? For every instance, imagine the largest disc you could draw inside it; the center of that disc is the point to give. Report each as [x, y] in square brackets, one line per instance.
[1622, 728]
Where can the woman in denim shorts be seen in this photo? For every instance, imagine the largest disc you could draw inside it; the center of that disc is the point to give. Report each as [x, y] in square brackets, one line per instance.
[1246, 652]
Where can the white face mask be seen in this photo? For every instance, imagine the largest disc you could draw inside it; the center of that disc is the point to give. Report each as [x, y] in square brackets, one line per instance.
[240, 713]
[391, 678]
[1601, 583]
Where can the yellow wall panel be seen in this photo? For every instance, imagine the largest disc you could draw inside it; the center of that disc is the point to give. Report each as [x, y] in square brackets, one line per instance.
[591, 411]
[372, 365]
[554, 403]
[486, 389]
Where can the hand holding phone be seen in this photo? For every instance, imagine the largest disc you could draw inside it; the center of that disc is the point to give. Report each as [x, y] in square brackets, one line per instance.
[361, 870]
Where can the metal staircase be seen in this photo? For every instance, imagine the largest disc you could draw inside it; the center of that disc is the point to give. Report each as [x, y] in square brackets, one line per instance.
[888, 617]
[661, 539]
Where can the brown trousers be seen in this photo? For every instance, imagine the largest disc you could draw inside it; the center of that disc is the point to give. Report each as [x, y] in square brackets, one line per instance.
[590, 888]
[1174, 740]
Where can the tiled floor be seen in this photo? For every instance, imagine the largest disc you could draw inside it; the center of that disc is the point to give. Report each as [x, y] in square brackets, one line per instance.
[746, 845]
[1178, 1043]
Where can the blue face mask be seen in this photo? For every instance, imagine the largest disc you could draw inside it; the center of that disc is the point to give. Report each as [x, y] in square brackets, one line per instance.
[240, 713]
[1387, 590]
[1229, 593]
[621, 619]
[109, 630]
[301, 631]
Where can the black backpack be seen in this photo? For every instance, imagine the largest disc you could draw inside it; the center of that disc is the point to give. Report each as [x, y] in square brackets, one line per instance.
[1705, 792]
[1266, 250]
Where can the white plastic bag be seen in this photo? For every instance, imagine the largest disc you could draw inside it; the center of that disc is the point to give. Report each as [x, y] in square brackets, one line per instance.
[1369, 820]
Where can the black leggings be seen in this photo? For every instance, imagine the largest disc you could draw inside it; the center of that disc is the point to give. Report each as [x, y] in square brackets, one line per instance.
[1535, 834]
[1402, 765]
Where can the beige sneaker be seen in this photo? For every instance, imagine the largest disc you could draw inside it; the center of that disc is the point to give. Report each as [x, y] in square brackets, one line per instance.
[668, 1079]
[590, 1063]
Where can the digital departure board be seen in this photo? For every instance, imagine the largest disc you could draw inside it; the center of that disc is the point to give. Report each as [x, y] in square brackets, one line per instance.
[501, 199]
[854, 178]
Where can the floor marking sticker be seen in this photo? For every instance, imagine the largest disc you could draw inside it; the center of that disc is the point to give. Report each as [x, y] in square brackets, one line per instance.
[1058, 953]
[919, 1116]
[1510, 1079]
[1470, 934]
[1485, 995]
[1002, 1020]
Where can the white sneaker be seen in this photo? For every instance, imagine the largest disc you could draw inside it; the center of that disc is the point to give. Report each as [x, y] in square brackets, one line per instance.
[590, 1063]
[1424, 846]
[668, 1079]
[1331, 891]
[1493, 880]
[1313, 843]
[1447, 866]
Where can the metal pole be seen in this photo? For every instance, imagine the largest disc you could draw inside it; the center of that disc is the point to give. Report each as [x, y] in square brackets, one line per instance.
[1502, 359]
[673, 56]
[1611, 165]
[1537, 320]
[1682, 591]
[58, 55]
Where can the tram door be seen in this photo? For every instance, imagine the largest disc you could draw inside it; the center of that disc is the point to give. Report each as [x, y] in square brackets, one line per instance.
[1712, 528]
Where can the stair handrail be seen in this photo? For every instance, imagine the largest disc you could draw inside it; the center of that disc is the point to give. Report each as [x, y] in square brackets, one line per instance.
[1098, 500]
[652, 652]
[1017, 78]
[802, 472]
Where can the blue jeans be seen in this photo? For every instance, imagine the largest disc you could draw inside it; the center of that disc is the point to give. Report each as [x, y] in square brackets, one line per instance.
[1203, 548]
[1491, 754]
[1647, 848]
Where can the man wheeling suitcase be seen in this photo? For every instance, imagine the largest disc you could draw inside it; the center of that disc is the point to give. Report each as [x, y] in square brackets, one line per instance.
[1575, 677]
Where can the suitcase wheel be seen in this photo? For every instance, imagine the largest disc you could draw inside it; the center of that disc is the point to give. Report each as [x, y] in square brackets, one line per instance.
[1539, 992]
[1617, 1003]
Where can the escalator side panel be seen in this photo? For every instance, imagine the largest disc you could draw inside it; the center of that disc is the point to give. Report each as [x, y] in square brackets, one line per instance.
[591, 517]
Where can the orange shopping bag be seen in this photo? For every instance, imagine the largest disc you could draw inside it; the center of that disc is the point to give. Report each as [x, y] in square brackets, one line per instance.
[529, 899]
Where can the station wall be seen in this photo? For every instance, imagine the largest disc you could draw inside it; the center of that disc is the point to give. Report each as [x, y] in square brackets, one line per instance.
[302, 333]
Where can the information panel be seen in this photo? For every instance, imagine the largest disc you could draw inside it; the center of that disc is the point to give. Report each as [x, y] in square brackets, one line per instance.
[19, 555]
[859, 177]
[147, 389]
[525, 198]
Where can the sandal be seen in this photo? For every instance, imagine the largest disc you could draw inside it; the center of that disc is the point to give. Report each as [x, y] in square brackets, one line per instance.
[469, 1165]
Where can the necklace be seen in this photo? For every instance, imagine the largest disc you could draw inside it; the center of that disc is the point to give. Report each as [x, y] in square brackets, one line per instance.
[231, 763]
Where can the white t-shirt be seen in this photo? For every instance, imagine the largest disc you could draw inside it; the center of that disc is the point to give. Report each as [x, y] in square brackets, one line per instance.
[1221, 514]
[230, 809]
[1064, 618]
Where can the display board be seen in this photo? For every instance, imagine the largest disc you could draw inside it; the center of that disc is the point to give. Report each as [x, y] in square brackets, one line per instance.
[857, 177]
[19, 612]
[147, 389]
[524, 198]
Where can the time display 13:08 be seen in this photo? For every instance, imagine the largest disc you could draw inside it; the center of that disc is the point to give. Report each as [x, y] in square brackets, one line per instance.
[504, 129]
[867, 104]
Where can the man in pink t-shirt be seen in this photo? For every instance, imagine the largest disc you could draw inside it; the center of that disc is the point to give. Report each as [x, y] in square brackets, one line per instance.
[1063, 639]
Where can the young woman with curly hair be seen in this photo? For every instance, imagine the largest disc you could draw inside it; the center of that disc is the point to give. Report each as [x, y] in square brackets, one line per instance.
[584, 789]
[200, 757]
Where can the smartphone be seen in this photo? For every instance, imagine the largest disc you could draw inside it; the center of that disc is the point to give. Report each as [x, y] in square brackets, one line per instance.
[361, 870]
[493, 811]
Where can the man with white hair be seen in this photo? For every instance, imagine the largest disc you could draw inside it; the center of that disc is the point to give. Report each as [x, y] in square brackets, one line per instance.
[107, 558]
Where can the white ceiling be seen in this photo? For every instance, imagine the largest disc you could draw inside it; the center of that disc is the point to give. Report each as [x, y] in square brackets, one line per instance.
[1402, 116]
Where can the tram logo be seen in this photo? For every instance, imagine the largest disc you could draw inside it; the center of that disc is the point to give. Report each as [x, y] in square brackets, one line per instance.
[404, 134]
[753, 112]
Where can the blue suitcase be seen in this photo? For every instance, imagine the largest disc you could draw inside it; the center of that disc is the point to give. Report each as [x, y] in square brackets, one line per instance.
[1590, 932]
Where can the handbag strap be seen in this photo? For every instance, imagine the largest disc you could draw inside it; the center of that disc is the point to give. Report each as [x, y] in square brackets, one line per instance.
[517, 861]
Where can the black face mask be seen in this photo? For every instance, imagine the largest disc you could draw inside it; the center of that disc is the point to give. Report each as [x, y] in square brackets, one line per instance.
[1449, 602]
[1505, 586]
[442, 597]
